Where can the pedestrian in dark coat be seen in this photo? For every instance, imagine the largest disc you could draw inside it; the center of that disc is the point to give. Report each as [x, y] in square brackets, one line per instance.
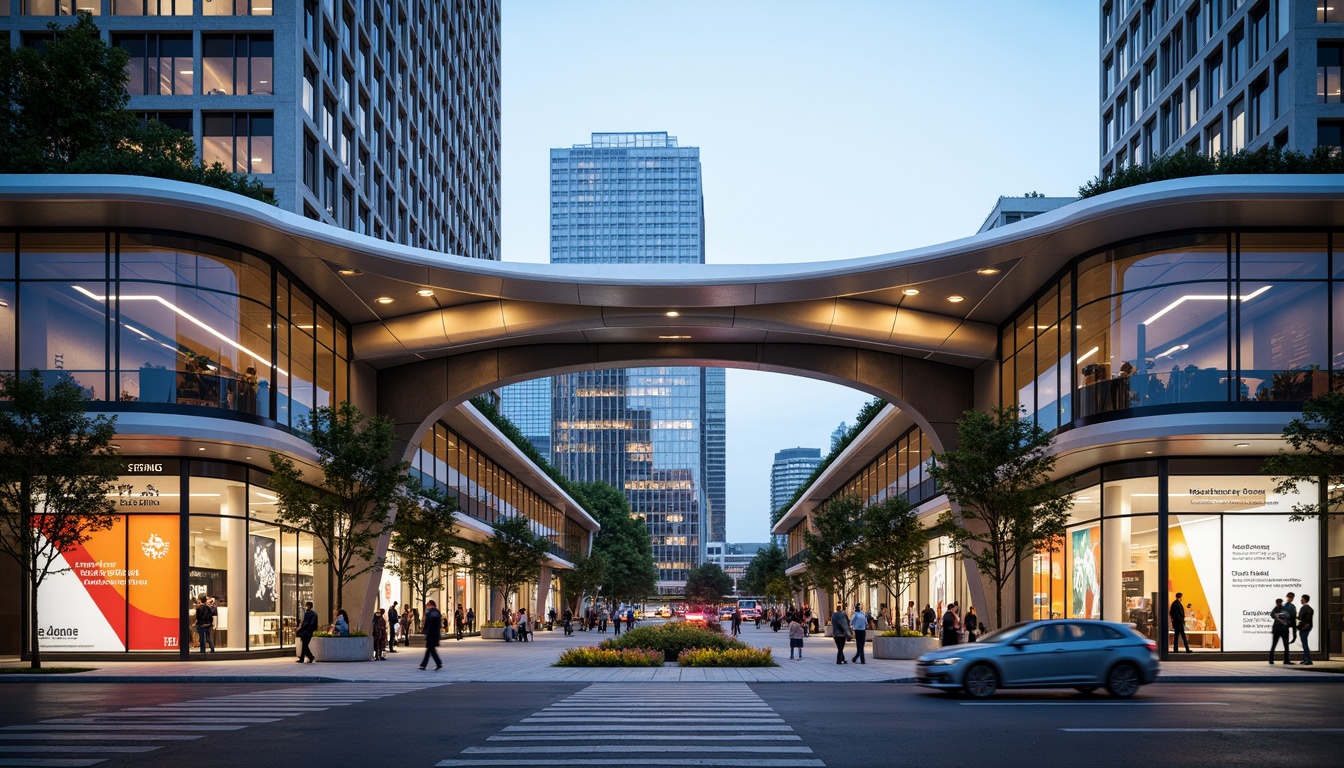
[840, 632]
[433, 629]
[307, 626]
[393, 625]
[379, 635]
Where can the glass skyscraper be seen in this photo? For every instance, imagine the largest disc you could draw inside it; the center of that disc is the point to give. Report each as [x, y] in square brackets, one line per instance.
[657, 433]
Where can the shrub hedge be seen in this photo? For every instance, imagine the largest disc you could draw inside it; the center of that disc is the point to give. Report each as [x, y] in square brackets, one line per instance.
[610, 657]
[732, 657]
[671, 639]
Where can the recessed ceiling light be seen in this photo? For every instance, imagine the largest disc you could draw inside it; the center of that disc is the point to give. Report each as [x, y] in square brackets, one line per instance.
[987, 271]
[200, 449]
[1150, 453]
[956, 299]
[424, 292]
[674, 337]
[349, 271]
[911, 291]
[384, 299]
[1242, 445]
[672, 313]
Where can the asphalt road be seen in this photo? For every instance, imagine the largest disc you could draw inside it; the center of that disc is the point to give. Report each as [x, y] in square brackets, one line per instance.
[206, 725]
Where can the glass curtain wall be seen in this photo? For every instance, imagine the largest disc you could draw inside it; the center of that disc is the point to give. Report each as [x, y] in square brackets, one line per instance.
[157, 319]
[1180, 320]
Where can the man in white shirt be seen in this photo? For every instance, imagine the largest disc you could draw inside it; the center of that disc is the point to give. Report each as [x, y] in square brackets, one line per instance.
[859, 623]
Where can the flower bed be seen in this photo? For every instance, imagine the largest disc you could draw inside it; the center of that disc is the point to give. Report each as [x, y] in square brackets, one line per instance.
[671, 639]
[732, 657]
[610, 657]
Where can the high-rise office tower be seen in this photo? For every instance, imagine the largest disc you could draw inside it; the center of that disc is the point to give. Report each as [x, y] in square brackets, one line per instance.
[792, 467]
[657, 433]
[1218, 75]
[528, 405]
[381, 118]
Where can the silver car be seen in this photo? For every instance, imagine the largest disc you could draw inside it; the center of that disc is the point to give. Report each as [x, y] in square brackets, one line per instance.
[1073, 653]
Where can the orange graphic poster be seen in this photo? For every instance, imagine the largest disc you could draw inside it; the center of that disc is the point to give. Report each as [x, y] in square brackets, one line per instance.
[153, 578]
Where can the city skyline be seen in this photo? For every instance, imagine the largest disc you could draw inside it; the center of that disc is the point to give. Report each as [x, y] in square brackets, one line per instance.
[803, 160]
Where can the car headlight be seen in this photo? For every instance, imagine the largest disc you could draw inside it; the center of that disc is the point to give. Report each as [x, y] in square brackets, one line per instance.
[945, 662]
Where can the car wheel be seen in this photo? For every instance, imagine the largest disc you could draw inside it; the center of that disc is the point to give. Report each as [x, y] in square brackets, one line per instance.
[1123, 680]
[1085, 688]
[981, 681]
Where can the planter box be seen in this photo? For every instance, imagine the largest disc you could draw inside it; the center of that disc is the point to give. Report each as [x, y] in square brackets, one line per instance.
[903, 647]
[342, 648]
[492, 633]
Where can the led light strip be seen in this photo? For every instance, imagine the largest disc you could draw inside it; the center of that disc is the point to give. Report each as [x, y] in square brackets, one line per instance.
[1202, 297]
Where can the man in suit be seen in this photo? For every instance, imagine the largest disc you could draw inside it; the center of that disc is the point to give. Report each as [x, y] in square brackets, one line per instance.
[1306, 621]
[1177, 614]
[307, 626]
[433, 628]
[393, 626]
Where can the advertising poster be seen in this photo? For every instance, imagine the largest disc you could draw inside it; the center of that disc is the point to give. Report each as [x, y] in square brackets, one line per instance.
[211, 582]
[1265, 557]
[152, 579]
[263, 588]
[120, 591]
[389, 589]
[1085, 579]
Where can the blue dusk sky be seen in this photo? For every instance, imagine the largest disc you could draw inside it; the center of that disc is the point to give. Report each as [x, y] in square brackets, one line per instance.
[826, 131]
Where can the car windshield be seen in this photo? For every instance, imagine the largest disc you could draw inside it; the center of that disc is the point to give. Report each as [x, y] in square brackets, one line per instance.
[1003, 633]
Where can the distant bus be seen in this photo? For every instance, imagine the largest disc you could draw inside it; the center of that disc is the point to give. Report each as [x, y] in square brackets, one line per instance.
[750, 607]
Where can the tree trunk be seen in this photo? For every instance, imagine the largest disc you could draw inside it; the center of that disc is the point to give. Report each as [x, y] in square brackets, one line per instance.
[35, 651]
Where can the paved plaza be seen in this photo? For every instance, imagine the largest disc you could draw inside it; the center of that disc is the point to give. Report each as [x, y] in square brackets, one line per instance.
[476, 660]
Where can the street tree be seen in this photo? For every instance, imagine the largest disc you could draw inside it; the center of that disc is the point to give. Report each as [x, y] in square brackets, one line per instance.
[623, 542]
[508, 559]
[1000, 478]
[586, 579]
[779, 591]
[1317, 456]
[894, 545]
[58, 467]
[347, 505]
[834, 556]
[767, 564]
[423, 538]
[707, 584]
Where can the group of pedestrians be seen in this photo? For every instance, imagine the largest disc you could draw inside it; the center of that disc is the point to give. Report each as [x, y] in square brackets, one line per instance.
[853, 627]
[1288, 618]
[951, 628]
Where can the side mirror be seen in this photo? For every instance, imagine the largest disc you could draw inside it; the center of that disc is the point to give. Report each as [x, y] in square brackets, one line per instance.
[1021, 641]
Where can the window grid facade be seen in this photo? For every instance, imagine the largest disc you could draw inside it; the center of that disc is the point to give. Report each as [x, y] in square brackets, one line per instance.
[401, 101]
[1179, 74]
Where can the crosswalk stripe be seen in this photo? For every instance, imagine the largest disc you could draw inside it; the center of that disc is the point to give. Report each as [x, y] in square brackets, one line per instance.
[50, 762]
[172, 720]
[59, 748]
[682, 720]
[658, 728]
[120, 727]
[632, 737]
[101, 736]
[628, 748]
[702, 761]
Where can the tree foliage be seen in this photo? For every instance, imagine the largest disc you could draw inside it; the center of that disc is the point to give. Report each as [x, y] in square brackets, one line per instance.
[57, 469]
[63, 110]
[707, 584]
[623, 542]
[1000, 478]
[835, 552]
[779, 591]
[359, 484]
[1192, 162]
[894, 544]
[508, 559]
[423, 537]
[768, 564]
[587, 576]
[1317, 455]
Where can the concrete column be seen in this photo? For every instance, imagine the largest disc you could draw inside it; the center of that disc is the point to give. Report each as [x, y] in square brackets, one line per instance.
[234, 531]
[543, 590]
[1115, 539]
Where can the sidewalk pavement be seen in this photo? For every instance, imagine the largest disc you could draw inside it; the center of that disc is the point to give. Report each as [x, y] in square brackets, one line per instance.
[476, 660]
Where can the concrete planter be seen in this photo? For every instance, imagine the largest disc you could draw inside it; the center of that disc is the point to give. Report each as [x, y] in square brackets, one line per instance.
[903, 647]
[492, 633]
[342, 648]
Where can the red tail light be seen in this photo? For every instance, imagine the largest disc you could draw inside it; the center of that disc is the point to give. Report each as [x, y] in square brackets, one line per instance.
[1152, 646]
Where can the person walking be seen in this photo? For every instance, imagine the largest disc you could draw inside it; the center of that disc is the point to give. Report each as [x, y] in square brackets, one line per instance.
[1306, 621]
[568, 619]
[971, 622]
[471, 619]
[459, 622]
[796, 635]
[911, 616]
[807, 619]
[859, 623]
[523, 629]
[840, 632]
[737, 622]
[1279, 627]
[307, 626]
[214, 619]
[617, 624]
[1291, 610]
[949, 634]
[433, 629]
[629, 619]
[550, 623]
[205, 621]
[379, 635]
[393, 626]
[1177, 613]
[930, 619]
